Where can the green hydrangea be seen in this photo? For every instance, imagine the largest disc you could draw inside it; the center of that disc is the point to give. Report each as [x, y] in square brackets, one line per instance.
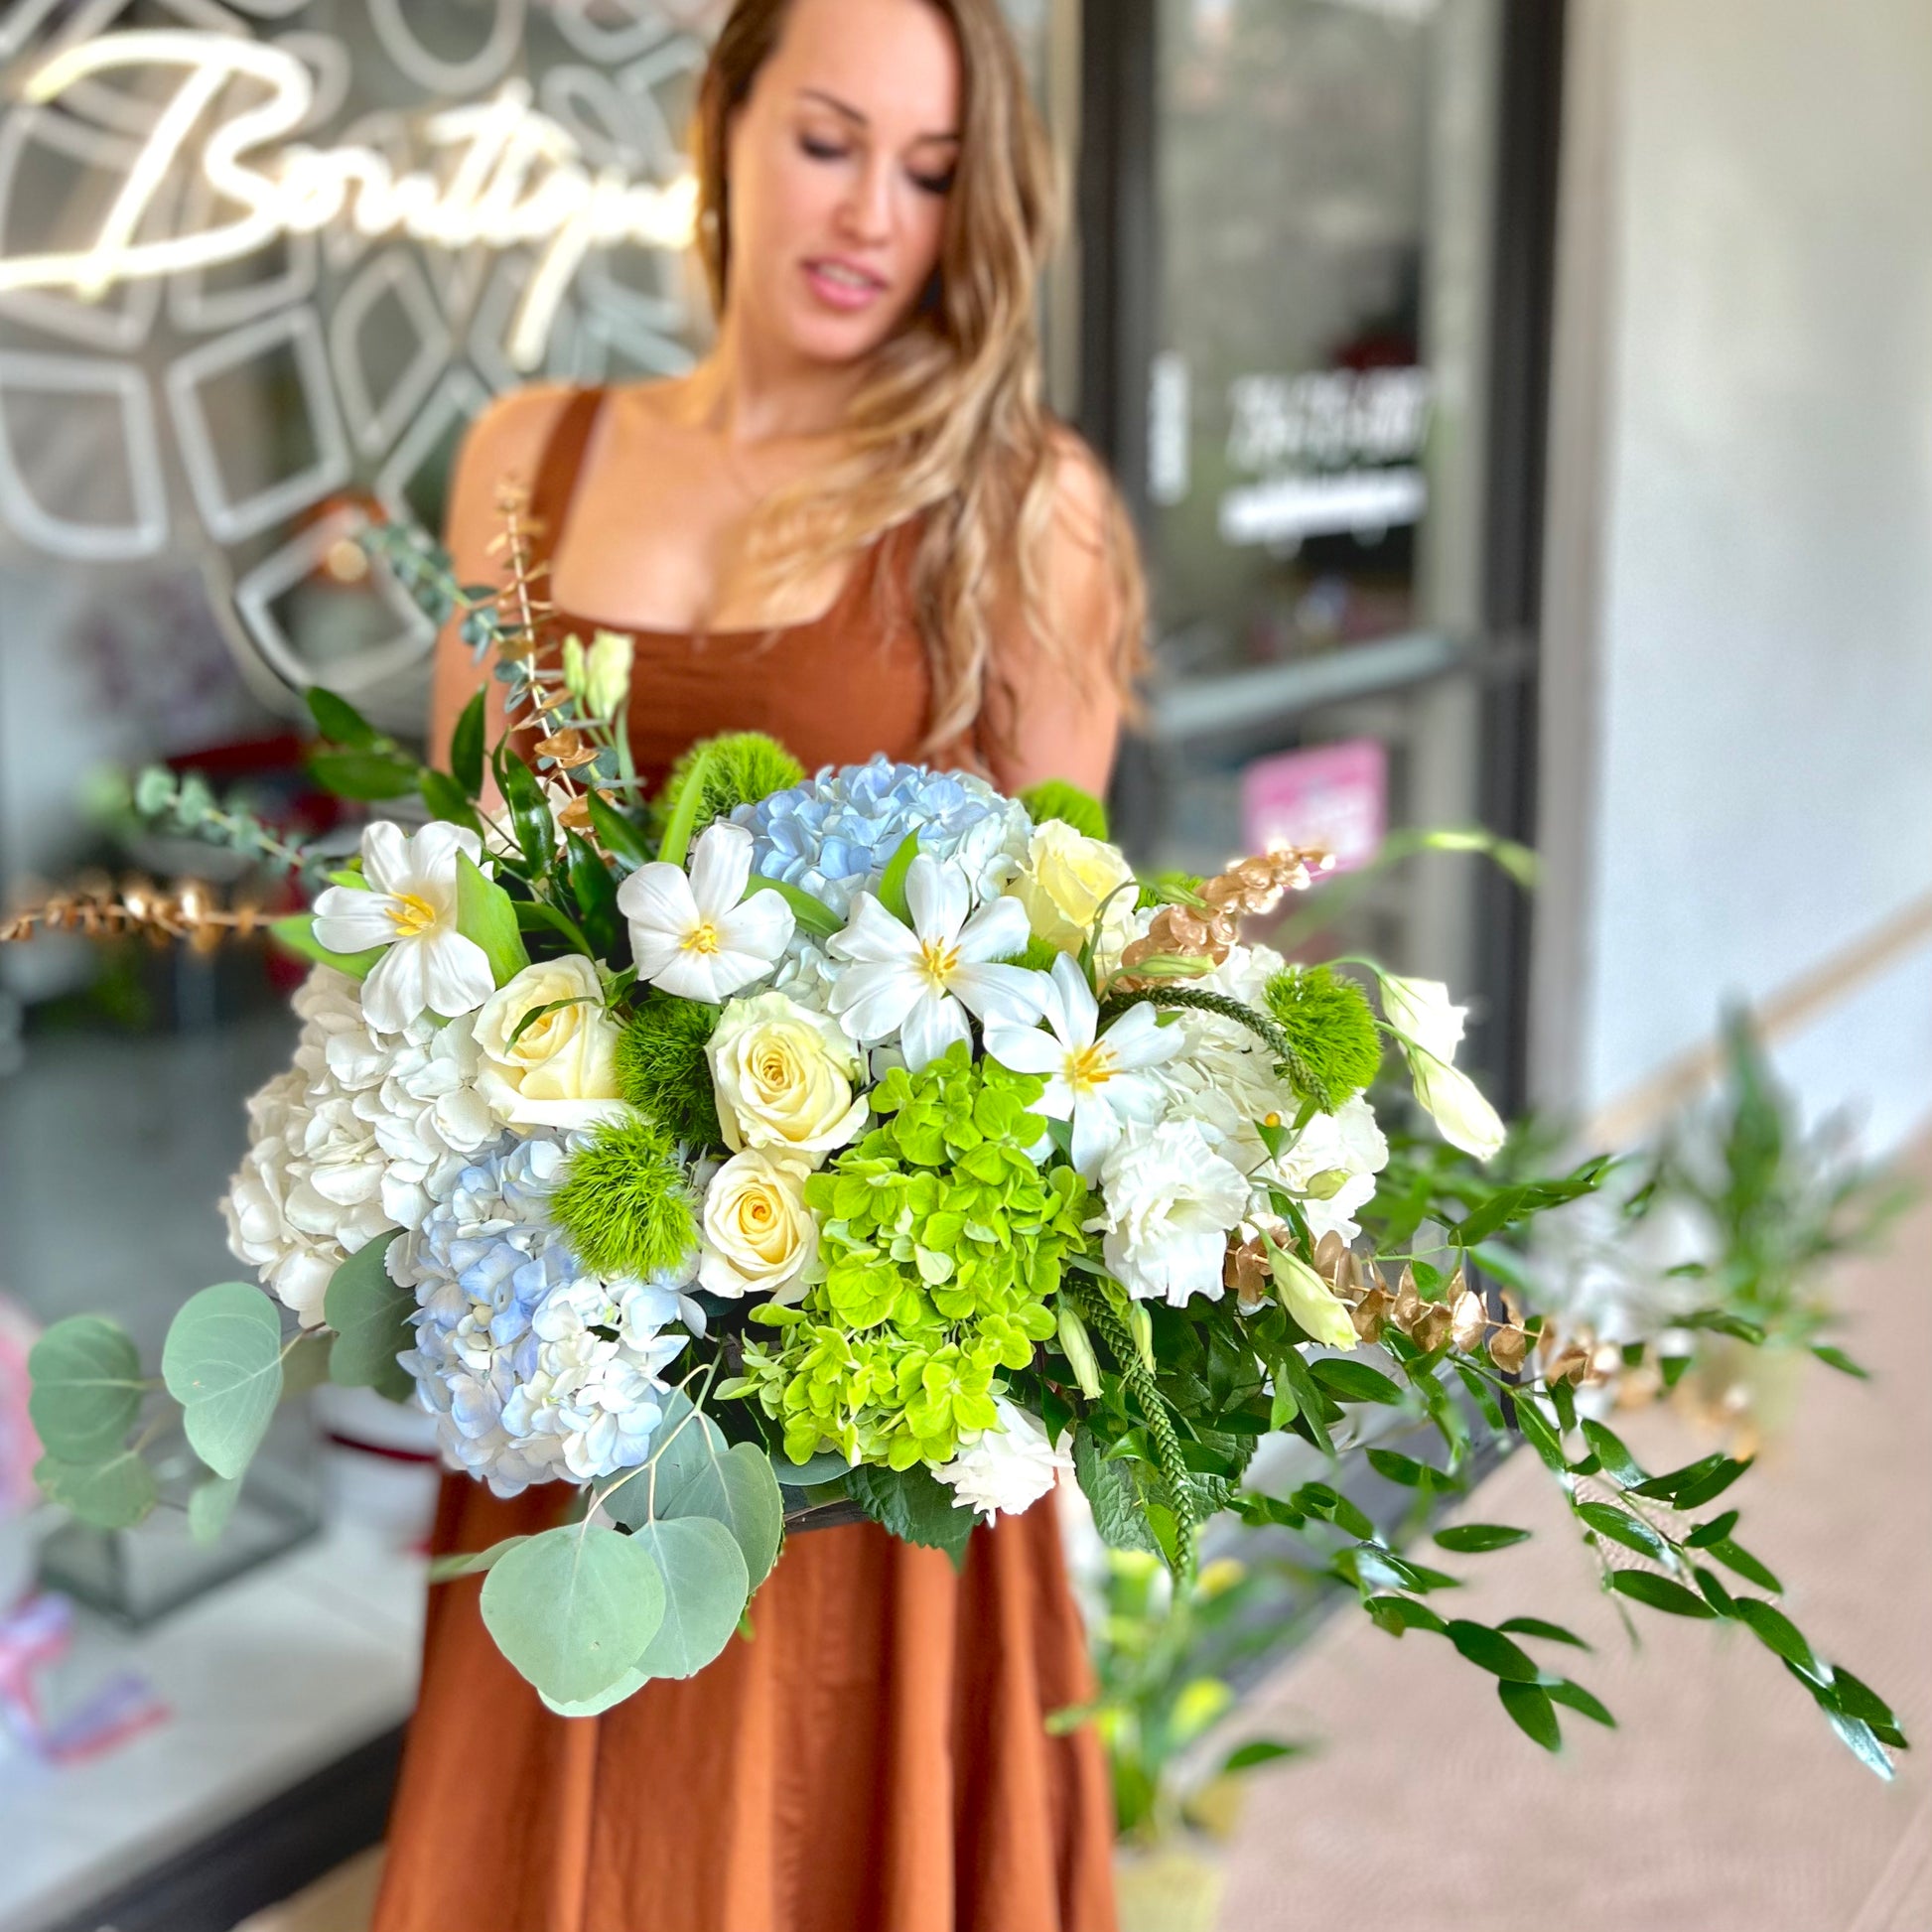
[942, 1243]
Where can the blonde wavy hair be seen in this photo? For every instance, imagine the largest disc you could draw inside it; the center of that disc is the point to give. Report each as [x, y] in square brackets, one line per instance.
[948, 433]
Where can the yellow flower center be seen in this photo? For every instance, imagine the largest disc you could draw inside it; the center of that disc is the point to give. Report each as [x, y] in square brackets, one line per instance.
[938, 962]
[703, 937]
[412, 915]
[1091, 1067]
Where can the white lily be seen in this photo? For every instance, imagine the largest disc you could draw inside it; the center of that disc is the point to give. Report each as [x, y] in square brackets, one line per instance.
[1093, 1079]
[697, 934]
[919, 982]
[409, 907]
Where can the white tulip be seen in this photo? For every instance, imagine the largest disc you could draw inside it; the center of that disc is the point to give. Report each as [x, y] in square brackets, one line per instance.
[699, 935]
[408, 907]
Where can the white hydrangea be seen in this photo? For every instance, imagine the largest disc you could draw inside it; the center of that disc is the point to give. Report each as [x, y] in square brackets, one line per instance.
[365, 1132]
[1005, 1470]
[1348, 1142]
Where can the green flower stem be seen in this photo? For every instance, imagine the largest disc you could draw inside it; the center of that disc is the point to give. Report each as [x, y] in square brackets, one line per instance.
[1166, 1444]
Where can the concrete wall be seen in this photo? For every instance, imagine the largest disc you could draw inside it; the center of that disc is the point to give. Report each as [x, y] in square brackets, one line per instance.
[1737, 773]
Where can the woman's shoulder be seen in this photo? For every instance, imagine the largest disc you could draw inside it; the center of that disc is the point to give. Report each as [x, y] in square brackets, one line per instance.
[510, 435]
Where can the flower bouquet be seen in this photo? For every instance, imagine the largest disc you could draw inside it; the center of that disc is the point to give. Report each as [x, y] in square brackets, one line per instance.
[764, 1147]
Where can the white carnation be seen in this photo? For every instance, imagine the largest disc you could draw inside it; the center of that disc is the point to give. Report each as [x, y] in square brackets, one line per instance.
[1005, 1470]
[1171, 1203]
[365, 1132]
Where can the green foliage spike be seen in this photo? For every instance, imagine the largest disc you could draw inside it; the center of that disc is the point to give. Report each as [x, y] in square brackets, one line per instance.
[739, 768]
[1336, 1048]
[626, 1204]
[663, 1069]
[1055, 798]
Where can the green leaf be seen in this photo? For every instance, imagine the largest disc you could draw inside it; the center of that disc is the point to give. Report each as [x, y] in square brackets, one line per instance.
[1490, 1650]
[812, 914]
[891, 884]
[340, 722]
[627, 1686]
[676, 845]
[86, 1377]
[1350, 1381]
[1532, 1712]
[529, 809]
[1109, 1489]
[705, 1592]
[614, 832]
[471, 1563]
[487, 914]
[1259, 1750]
[574, 1608]
[112, 1494]
[1535, 1626]
[446, 799]
[1608, 1447]
[1475, 1538]
[1659, 1592]
[1834, 1357]
[595, 889]
[1621, 1527]
[1859, 1739]
[367, 777]
[371, 1318]
[914, 1506]
[210, 1506]
[1563, 1691]
[223, 1362]
[738, 1489]
[297, 934]
[1394, 1615]
[466, 746]
[1734, 1556]
[1776, 1632]
[1537, 1430]
[1290, 1366]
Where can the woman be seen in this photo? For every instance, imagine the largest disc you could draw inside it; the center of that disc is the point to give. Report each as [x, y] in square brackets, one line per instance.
[853, 527]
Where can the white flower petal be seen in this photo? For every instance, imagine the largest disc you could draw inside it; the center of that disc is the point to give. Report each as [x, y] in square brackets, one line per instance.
[870, 1002]
[1009, 992]
[933, 1024]
[1138, 1038]
[351, 921]
[1071, 1008]
[1095, 1130]
[1025, 1050]
[721, 863]
[762, 926]
[386, 857]
[994, 931]
[433, 851]
[658, 896]
[872, 935]
[393, 994]
[455, 973]
[938, 896]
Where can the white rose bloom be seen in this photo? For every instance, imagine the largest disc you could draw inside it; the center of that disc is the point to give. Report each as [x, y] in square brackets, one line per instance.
[362, 1134]
[784, 1078]
[1068, 881]
[1005, 1470]
[1348, 1142]
[1171, 1203]
[759, 1237]
[561, 1070]
[1422, 1011]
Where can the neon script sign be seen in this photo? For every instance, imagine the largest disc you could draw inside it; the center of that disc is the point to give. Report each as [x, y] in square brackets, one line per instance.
[512, 177]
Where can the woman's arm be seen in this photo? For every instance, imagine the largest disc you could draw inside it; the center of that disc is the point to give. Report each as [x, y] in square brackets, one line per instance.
[504, 444]
[1057, 710]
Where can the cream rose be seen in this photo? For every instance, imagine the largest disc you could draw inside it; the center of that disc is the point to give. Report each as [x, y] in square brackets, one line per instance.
[1066, 880]
[758, 1235]
[561, 1070]
[783, 1078]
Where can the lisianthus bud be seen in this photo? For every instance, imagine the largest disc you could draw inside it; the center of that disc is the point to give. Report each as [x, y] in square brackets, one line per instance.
[1320, 1312]
[1077, 1345]
[606, 674]
[1456, 1104]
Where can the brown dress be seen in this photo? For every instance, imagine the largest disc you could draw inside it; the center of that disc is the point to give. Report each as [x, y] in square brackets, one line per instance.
[875, 1759]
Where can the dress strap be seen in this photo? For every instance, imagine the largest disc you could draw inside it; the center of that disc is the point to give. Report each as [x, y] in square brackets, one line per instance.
[559, 466]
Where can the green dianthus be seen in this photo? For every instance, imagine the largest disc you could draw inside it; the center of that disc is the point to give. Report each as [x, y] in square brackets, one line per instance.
[1337, 1046]
[626, 1204]
[663, 1069]
[1038, 956]
[740, 767]
[1055, 798]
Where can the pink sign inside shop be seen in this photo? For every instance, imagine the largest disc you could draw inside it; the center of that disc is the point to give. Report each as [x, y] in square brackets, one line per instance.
[1336, 797]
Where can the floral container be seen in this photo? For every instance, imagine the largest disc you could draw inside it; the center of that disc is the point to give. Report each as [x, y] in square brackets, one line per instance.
[1172, 1886]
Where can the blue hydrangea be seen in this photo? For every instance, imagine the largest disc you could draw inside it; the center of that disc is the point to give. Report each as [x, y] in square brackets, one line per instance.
[836, 833]
[535, 1369]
